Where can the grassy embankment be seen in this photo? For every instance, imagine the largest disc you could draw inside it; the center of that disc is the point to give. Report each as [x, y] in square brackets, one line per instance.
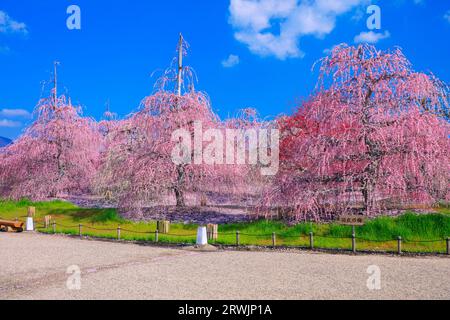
[382, 232]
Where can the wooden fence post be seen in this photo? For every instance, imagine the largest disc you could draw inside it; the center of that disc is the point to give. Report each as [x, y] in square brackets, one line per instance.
[311, 241]
[79, 230]
[47, 220]
[156, 235]
[163, 226]
[54, 226]
[354, 243]
[118, 233]
[448, 246]
[212, 231]
[237, 238]
[274, 239]
[399, 245]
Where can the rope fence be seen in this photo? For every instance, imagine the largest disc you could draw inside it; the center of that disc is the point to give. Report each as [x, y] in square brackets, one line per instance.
[308, 239]
[119, 230]
[354, 240]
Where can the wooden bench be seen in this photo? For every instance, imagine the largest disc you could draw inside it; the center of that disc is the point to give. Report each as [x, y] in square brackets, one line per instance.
[6, 225]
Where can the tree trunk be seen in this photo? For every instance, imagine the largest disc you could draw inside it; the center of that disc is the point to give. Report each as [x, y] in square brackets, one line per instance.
[370, 176]
[179, 195]
[178, 189]
[374, 153]
[368, 187]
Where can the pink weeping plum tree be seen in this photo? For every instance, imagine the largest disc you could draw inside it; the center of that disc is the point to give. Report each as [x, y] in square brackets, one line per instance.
[146, 166]
[56, 155]
[104, 184]
[374, 136]
[138, 167]
[247, 181]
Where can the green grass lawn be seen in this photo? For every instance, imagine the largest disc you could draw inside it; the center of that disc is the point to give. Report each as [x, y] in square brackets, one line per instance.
[421, 233]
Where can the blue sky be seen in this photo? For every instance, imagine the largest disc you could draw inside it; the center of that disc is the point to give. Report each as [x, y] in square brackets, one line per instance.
[246, 53]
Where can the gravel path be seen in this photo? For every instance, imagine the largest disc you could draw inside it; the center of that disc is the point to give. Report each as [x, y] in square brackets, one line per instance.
[34, 266]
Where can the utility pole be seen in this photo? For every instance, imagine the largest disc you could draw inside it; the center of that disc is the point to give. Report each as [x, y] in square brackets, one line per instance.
[180, 65]
[178, 189]
[55, 82]
[107, 107]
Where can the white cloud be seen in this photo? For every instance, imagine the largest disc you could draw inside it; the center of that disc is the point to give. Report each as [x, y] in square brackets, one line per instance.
[255, 22]
[9, 25]
[231, 61]
[358, 15]
[447, 16]
[12, 113]
[9, 123]
[371, 37]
